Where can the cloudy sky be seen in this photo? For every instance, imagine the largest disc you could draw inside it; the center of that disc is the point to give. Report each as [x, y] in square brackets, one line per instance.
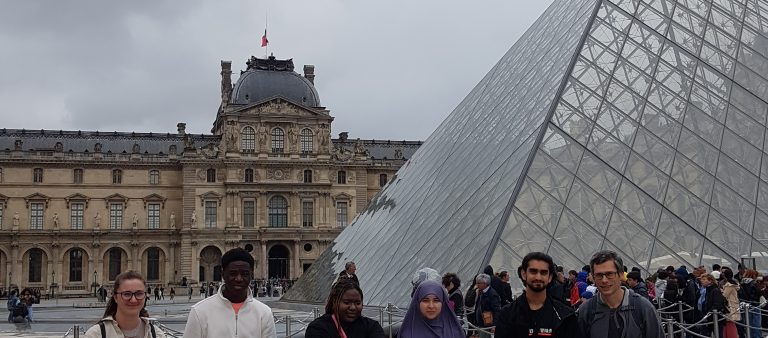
[386, 69]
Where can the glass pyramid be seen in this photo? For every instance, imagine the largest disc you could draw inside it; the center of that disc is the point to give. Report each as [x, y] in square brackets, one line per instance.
[631, 125]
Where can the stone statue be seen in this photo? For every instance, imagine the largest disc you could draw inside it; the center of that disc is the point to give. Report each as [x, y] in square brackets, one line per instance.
[17, 144]
[135, 220]
[55, 220]
[136, 149]
[359, 148]
[193, 224]
[16, 220]
[97, 147]
[398, 154]
[293, 137]
[230, 137]
[261, 135]
[97, 220]
[58, 147]
[173, 220]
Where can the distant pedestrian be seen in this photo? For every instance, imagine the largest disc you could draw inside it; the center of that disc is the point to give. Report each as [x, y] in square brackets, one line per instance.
[173, 293]
[13, 299]
[349, 272]
[488, 304]
[162, 292]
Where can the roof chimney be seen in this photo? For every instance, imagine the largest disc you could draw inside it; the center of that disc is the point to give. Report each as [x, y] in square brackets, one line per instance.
[226, 80]
[182, 128]
[343, 136]
[309, 73]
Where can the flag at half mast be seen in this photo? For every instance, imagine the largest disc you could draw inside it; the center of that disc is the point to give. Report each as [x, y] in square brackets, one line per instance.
[264, 41]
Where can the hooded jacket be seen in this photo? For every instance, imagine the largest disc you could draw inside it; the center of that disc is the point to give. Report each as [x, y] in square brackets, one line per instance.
[730, 292]
[641, 289]
[598, 327]
[515, 319]
[113, 331]
[214, 317]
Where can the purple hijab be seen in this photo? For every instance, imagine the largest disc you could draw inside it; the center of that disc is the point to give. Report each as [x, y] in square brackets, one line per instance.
[446, 325]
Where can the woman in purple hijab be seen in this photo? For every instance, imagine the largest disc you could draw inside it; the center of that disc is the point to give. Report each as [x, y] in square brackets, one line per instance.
[429, 314]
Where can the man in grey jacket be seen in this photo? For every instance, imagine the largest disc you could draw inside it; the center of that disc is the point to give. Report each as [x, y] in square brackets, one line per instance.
[616, 312]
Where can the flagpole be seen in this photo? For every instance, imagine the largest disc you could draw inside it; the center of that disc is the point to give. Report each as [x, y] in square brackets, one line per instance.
[266, 26]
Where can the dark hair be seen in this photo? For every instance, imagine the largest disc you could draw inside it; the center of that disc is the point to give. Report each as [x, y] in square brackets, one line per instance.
[337, 290]
[112, 304]
[715, 267]
[634, 268]
[539, 256]
[663, 274]
[559, 268]
[573, 272]
[586, 268]
[670, 269]
[728, 275]
[503, 274]
[450, 277]
[14, 292]
[235, 255]
[27, 291]
[601, 257]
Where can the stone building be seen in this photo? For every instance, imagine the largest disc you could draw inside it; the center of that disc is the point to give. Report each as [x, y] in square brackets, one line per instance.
[79, 207]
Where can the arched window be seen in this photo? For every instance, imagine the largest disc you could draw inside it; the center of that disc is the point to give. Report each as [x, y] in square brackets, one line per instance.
[117, 176]
[115, 262]
[307, 141]
[35, 266]
[307, 176]
[76, 265]
[153, 264]
[154, 177]
[278, 141]
[278, 212]
[210, 175]
[341, 177]
[248, 176]
[383, 180]
[248, 140]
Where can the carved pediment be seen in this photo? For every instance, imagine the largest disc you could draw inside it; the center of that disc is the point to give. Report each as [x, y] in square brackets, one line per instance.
[282, 106]
[77, 198]
[37, 197]
[342, 197]
[115, 198]
[211, 195]
[154, 198]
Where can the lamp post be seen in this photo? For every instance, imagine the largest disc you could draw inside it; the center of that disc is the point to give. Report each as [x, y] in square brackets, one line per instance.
[53, 284]
[94, 284]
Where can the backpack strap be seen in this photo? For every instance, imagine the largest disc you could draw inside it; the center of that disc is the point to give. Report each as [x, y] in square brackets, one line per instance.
[152, 328]
[634, 303]
[103, 329]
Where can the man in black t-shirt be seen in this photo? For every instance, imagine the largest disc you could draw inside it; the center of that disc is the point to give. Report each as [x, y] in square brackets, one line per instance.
[535, 313]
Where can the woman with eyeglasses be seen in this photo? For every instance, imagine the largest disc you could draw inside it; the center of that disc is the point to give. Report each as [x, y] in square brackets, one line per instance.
[125, 315]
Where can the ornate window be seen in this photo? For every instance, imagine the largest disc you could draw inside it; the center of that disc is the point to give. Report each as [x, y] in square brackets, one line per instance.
[35, 266]
[115, 262]
[210, 214]
[341, 213]
[248, 140]
[76, 215]
[154, 177]
[115, 216]
[307, 213]
[153, 264]
[278, 212]
[210, 175]
[77, 176]
[36, 216]
[249, 213]
[75, 265]
[341, 177]
[278, 141]
[308, 176]
[37, 175]
[307, 141]
[153, 216]
[248, 176]
[117, 176]
[383, 180]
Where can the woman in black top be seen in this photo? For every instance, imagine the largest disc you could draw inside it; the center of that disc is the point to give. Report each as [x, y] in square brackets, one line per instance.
[343, 316]
[452, 283]
[712, 300]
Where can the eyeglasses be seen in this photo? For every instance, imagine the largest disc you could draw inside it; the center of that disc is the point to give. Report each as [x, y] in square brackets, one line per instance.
[609, 275]
[127, 295]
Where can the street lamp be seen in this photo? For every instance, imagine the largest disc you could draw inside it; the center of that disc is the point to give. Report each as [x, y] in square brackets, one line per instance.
[53, 284]
[94, 284]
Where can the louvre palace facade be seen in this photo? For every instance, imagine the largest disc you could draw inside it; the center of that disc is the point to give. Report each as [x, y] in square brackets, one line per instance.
[79, 207]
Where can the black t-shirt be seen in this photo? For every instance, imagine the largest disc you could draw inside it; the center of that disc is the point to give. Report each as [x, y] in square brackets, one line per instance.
[615, 324]
[542, 322]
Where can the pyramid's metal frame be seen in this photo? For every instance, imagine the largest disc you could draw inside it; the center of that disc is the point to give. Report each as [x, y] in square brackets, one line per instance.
[632, 125]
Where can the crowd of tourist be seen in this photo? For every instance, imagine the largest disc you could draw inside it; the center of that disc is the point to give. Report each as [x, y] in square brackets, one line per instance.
[603, 299]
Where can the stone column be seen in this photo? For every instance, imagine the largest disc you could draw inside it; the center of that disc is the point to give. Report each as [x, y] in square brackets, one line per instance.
[265, 259]
[296, 261]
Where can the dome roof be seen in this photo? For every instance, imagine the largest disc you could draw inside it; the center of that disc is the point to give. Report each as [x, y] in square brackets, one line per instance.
[267, 78]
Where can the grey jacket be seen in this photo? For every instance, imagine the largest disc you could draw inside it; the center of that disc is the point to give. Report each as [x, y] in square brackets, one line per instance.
[650, 327]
